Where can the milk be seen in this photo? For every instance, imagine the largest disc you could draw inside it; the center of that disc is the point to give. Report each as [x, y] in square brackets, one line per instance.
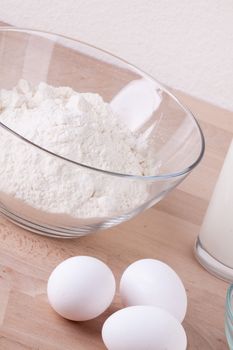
[216, 235]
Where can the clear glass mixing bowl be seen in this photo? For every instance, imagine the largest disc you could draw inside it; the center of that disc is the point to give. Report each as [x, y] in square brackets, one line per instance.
[146, 107]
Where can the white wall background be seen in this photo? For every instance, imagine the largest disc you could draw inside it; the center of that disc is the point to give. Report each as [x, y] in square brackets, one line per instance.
[187, 44]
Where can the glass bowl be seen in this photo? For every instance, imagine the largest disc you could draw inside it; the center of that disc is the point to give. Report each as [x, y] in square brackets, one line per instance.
[143, 104]
[229, 317]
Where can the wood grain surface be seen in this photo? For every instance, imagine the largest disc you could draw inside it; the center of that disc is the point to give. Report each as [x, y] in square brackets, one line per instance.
[166, 231]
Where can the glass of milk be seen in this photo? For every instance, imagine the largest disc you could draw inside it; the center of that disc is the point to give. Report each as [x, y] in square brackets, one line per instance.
[214, 246]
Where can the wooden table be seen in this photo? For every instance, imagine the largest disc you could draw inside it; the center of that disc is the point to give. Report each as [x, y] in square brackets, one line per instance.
[166, 231]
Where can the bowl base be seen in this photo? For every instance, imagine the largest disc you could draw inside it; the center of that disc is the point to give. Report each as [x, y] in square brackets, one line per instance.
[32, 227]
[65, 232]
[73, 231]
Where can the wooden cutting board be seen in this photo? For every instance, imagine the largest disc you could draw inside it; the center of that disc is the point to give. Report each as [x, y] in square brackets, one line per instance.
[166, 232]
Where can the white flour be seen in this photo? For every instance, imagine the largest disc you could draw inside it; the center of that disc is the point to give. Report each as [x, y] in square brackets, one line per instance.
[80, 127]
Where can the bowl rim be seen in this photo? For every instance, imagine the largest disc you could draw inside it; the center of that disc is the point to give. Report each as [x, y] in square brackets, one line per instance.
[229, 306]
[165, 176]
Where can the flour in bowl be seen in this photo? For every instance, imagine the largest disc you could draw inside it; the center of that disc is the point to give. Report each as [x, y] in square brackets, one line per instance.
[77, 126]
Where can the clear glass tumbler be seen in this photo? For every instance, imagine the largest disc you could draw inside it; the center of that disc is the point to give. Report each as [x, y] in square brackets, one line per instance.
[214, 244]
[229, 317]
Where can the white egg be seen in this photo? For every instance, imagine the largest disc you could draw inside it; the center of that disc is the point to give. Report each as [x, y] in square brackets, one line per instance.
[81, 288]
[143, 327]
[152, 282]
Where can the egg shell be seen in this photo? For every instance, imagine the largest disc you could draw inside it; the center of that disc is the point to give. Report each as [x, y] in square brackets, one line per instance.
[81, 288]
[143, 327]
[152, 282]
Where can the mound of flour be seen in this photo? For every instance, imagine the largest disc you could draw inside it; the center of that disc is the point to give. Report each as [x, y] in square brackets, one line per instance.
[80, 127]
